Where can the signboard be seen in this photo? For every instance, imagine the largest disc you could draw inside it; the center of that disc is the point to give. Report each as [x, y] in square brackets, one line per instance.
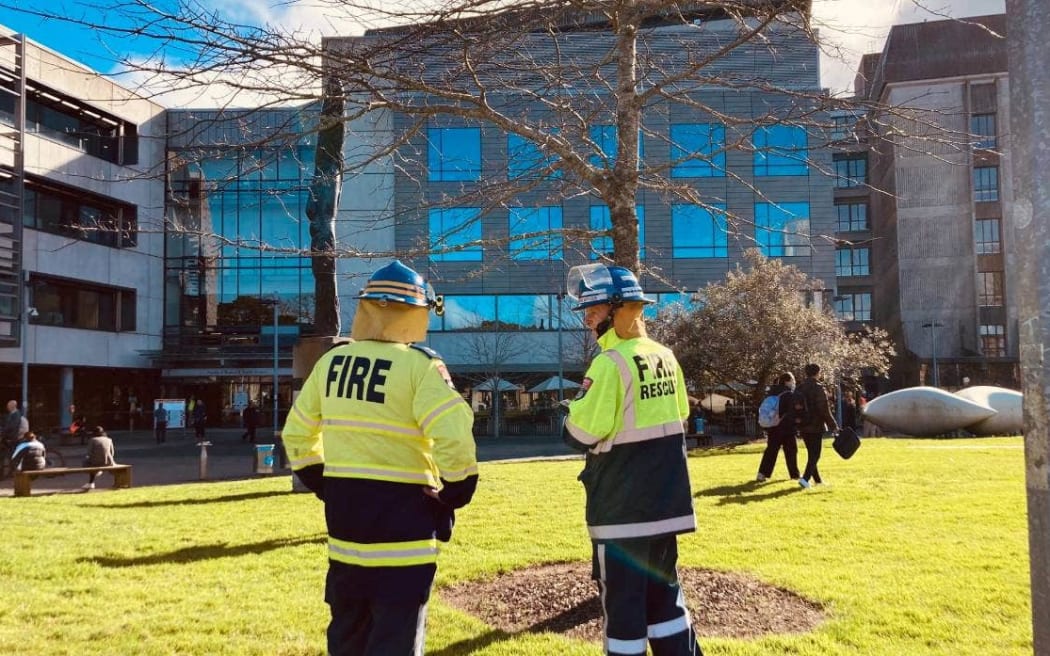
[176, 411]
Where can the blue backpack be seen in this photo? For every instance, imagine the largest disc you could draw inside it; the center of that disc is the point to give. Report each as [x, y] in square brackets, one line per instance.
[769, 411]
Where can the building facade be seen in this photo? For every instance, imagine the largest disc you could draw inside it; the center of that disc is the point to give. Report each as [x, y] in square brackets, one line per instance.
[81, 251]
[942, 249]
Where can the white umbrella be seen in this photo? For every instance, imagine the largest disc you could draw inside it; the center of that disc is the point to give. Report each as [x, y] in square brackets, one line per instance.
[554, 383]
[488, 385]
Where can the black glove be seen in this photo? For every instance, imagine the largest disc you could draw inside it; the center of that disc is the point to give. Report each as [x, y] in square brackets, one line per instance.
[458, 494]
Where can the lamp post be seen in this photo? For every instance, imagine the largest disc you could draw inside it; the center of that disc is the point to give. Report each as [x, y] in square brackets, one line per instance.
[933, 326]
[561, 367]
[273, 396]
[27, 312]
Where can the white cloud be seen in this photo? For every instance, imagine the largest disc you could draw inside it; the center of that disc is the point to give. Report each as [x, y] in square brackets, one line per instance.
[852, 28]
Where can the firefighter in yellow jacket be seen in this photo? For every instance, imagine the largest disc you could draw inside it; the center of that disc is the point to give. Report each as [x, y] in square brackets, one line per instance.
[628, 419]
[380, 434]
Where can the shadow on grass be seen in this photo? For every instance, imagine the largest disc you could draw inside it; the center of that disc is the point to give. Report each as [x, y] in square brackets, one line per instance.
[581, 613]
[745, 493]
[205, 552]
[227, 498]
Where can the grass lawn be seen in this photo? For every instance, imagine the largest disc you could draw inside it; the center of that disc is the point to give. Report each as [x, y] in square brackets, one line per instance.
[917, 547]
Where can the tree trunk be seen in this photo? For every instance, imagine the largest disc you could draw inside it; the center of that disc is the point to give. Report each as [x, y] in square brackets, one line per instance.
[322, 207]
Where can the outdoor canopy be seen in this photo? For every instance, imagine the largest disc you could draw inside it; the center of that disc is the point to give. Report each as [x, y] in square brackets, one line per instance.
[552, 384]
[488, 385]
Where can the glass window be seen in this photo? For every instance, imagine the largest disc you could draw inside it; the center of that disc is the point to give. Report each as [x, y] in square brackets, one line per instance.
[465, 313]
[601, 221]
[605, 138]
[526, 160]
[524, 312]
[990, 288]
[535, 233]
[842, 126]
[699, 232]
[89, 307]
[982, 129]
[986, 236]
[853, 307]
[993, 340]
[698, 150]
[850, 171]
[665, 301]
[782, 229]
[781, 150]
[453, 154]
[75, 214]
[852, 217]
[852, 262]
[451, 233]
[985, 184]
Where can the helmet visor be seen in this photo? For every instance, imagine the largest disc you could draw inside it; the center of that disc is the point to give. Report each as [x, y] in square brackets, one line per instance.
[585, 277]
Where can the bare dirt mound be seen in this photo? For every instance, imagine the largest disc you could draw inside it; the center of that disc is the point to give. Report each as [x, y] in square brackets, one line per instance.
[562, 598]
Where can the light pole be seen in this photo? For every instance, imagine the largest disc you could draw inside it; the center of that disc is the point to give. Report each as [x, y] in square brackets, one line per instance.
[933, 326]
[27, 312]
[273, 396]
[561, 367]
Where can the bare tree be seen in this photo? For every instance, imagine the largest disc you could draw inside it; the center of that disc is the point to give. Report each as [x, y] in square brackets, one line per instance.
[762, 321]
[493, 351]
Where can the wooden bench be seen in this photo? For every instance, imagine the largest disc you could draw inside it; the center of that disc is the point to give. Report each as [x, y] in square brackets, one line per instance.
[24, 479]
[697, 440]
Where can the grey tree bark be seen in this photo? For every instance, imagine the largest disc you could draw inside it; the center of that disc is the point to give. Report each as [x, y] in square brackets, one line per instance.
[1028, 23]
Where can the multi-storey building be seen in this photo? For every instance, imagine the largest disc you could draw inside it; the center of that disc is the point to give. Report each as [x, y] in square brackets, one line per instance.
[81, 238]
[502, 279]
[942, 251]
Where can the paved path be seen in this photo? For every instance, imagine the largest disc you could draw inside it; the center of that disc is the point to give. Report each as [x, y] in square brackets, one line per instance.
[178, 459]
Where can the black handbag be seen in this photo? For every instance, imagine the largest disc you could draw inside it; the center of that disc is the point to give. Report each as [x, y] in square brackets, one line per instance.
[846, 443]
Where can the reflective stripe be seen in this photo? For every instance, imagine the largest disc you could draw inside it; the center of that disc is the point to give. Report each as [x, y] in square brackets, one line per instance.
[312, 424]
[438, 411]
[373, 426]
[384, 554]
[299, 463]
[455, 476]
[643, 529]
[669, 628]
[649, 432]
[583, 436]
[614, 645]
[379, 473]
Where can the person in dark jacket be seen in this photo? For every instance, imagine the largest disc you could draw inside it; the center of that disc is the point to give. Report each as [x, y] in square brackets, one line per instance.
[9, 434]
[818, 419]
[250, 418]
[29, 454]
[200, 416]
[785, 434]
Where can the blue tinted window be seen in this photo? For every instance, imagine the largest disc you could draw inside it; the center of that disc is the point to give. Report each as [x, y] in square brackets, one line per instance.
[601, 221]
[699, 150]
[698, 231]
[665, 301]
[782, 229]
[465, 312]
[605, 138]
[850, 171]
[852, 262]
[853, 307]
[535, 233]
[525, 311]
[526, 160]
[986, 184]
[451, 230]
[781, 150]
[453, 154]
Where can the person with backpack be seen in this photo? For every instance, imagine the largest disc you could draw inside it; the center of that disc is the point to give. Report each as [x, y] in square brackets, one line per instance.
[780, 414]
[816, 419]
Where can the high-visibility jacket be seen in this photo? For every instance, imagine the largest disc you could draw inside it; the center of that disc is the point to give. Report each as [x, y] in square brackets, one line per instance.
[384, 422]
[628, 418]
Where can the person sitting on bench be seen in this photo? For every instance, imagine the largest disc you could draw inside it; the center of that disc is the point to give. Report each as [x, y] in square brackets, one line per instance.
[100, 453]
[29, 454]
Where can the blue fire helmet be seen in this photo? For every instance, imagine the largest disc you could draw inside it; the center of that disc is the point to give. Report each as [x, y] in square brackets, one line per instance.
[594, 284]
[397, 283]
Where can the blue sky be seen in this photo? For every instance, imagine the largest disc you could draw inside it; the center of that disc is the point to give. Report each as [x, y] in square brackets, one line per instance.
[851, 27]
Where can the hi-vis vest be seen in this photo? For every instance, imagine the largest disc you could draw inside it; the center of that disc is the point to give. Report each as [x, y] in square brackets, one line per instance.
[385, 421]
[629, 419]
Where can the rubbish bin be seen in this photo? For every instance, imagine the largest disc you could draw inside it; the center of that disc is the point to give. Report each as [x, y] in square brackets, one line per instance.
[264, 456]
